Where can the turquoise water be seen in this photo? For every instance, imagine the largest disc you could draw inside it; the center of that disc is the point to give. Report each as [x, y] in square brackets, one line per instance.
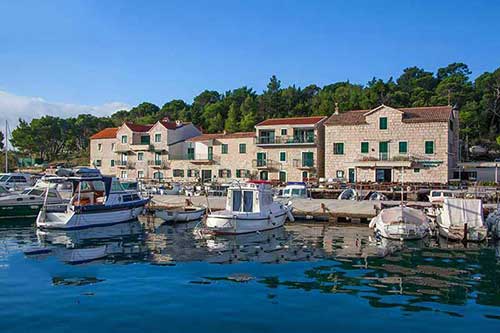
[301, 278]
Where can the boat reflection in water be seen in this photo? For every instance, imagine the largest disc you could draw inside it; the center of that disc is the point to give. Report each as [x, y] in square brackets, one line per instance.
[333, 259]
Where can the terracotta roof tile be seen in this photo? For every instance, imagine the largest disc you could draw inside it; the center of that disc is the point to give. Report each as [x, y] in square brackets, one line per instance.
[138, 128]
[107, 133]
[426, 114]
[291, 121]
[237, 135]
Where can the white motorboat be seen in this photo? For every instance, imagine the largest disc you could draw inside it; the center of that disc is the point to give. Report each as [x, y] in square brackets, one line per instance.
[249, 208]
[377, 196]
[97, 201]
[180, 214]
[401, 223]
[295, 190]
[28, 202]
[462, 219]
[438, 196]
[348, 194]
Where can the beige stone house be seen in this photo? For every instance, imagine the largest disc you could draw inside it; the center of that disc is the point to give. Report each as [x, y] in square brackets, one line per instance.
[392, 144]
[215, 157]
[140, 151]
[290, 149]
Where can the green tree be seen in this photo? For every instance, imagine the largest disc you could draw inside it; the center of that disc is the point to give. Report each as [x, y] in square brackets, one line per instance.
[232, 121]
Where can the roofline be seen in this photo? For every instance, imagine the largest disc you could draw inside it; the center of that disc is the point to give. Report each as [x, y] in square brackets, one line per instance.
[288, 118]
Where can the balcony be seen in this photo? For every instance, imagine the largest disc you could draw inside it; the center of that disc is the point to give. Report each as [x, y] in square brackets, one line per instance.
[125, 164]
[285, 140]
[266, 164]
[122, 147]
[159, 164]
[141, 147]
[307, 164]
[195, 158]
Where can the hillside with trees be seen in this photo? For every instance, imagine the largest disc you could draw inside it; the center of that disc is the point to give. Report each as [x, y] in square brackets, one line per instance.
[52, 138]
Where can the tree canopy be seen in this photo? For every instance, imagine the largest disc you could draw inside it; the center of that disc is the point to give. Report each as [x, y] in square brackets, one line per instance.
[240, 109]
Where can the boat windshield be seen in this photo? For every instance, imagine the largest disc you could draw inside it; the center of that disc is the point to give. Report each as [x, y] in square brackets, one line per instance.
[89, 193]
[297, 192]
[4, 178]
[247, 201]
[116, 186]
[34, 191]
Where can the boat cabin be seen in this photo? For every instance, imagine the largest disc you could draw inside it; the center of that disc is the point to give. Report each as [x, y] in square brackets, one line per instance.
[251, 197]
[100, 191]
[295, 190]
[440, 195]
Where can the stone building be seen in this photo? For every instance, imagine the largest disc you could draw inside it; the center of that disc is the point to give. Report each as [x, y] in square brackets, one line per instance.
[392, 144]
[290, 149]
[215, 157]
[140, 151]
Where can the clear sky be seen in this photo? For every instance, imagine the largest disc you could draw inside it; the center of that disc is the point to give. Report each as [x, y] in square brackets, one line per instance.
[88, 52]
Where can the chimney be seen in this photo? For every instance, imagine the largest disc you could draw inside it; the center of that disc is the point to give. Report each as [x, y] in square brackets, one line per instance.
[178, 122]
[336, 108]
[165, 119]
[224, 132]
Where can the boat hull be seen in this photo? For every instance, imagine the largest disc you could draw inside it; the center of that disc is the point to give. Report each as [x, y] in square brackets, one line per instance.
[180, 215]
[72, 220]
[474, 234]
[401, 223]
[244, 223]
[14, 211]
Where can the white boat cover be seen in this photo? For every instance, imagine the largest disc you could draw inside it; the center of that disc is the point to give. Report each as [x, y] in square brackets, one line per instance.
[402, 214]
[457, 212]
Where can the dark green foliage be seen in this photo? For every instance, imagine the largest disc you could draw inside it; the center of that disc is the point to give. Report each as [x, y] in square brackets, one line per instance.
[240, 109]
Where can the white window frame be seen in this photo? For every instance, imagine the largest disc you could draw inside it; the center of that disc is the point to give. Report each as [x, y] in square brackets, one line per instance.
[142, 156]
[286, 131]
[286, 156]
[154, 138]
[407, 148]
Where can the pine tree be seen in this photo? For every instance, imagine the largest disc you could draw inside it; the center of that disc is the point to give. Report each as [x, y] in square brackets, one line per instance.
[232, 121]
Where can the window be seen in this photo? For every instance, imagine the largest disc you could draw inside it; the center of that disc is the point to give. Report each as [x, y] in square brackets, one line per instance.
[210, 153]
[403, 147]
[383, 123]
[98, 163]
[158, 137]
[340, 173]
[224, 148]
[282, 156]
[307, 159]
[158, 175]
[338, 148]
[365, 147]
[113, 146]
[99, 146]
[224, 173]
[123, 174]
[416, 170]
[283, 131]
[124, 139]
[140, 174]
[243, 148]
[178, 173]
[145, 140]
[429, 147]
[190, 153]
[157, 158]
[193, 173]
[112, 163]
[140, 156]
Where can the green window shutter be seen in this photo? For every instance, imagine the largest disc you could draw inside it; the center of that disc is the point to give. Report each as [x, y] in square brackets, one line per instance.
[307, 159]
[403, 147]
[338, 148]
[429, 147]
[112, 163]
[282, 156]
[383, 123]
[365, 147]
[238, 173]
[243, 148]
[224, 148]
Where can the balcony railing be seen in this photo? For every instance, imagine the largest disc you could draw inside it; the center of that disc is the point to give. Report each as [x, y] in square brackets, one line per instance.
[265, 164]
[194, 157]
[303, 164]
[125, 164]
[285, 140]
[383, 156]
[159, 164]
[122, 147]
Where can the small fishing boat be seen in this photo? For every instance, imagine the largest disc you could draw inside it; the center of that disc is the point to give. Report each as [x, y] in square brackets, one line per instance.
[401, 223]
[16, 181]
[249, 208]
[180, 214]
[29, 202]
[461, 219]
[348, 194]
[97, 201]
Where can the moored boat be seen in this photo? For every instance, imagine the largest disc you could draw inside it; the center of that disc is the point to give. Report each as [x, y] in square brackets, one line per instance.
[180, 214]
[401, 223]
[29, 202]
[493, 223]
[461, 219]
[97, 201]
[249, 208]
[348, 194]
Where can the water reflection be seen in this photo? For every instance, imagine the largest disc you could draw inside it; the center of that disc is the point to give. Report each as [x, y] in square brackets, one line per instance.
[345, 259]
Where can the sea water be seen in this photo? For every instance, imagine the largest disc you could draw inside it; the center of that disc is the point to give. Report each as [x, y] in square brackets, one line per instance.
[305, 277]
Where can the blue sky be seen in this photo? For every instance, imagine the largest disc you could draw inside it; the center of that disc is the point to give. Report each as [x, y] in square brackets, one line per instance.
[95, 52]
